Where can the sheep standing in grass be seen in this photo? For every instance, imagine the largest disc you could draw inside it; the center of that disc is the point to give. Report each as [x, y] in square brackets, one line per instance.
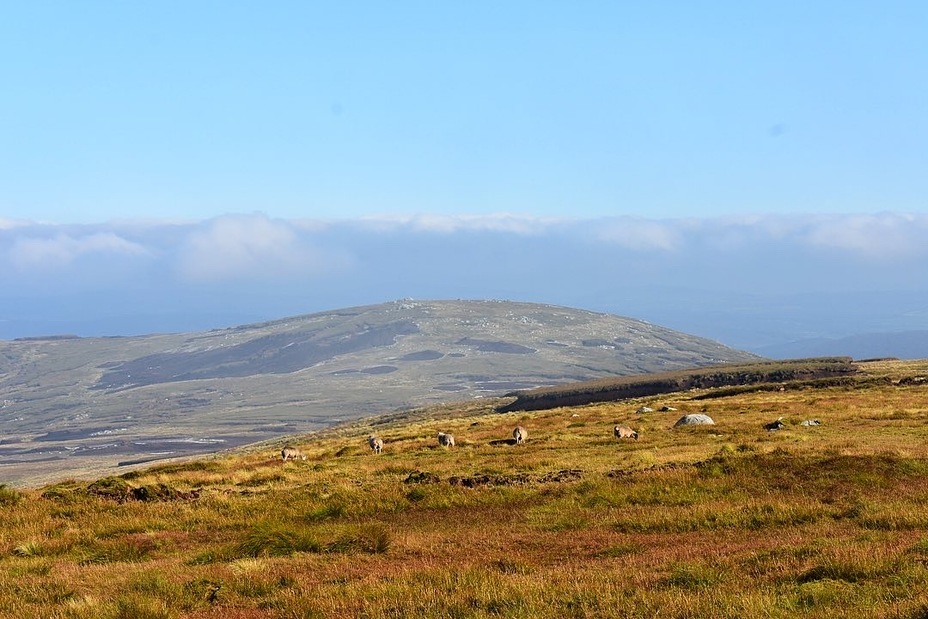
[622, 431]
[445, 440]
[376, 443]
[291, 453]
[520, 434]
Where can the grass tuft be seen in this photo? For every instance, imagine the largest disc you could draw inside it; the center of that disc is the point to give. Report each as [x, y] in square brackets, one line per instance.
[372, 539]
[276, 540]
[9, 496]
[28, 549]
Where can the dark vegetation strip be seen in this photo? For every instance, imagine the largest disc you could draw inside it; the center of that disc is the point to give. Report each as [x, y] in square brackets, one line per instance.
[625, 387]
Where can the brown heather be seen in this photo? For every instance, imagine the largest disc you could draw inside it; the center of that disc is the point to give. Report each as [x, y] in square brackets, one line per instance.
[721, 521]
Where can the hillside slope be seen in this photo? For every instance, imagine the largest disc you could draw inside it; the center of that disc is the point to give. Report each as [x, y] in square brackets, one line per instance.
[82, 404]
[730, 520]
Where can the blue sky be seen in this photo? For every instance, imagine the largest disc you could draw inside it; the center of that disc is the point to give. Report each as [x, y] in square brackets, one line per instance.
[754, 172]
[193, 110]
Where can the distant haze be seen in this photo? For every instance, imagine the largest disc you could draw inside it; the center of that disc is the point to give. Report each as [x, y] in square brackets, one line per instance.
[751, 282]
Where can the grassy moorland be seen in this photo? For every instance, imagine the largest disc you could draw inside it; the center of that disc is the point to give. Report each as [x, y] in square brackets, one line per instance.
[727, 520]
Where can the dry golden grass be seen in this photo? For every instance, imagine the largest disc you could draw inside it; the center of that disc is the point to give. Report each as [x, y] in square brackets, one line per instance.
[728, 520]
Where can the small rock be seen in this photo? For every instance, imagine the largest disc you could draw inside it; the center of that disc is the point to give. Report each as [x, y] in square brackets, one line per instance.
[696, 419]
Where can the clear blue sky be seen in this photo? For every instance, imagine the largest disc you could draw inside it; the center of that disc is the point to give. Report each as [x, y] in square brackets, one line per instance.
[580, 109]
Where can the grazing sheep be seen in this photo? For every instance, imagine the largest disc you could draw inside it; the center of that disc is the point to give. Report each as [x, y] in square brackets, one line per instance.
[520, 434]
[445, 440]
[291, 453]
[696, 419]
[622, 431]
[376, 443]
[773, 426]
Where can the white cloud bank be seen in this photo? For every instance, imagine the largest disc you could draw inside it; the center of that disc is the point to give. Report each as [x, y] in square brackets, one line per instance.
[256, 246]
[641, 235]
[884, 236]
[260, 266]
[61, 250]
[238, 247]
[447, 224]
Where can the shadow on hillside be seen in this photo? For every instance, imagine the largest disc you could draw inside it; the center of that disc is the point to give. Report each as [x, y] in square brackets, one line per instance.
[772, 373]
[503, 441]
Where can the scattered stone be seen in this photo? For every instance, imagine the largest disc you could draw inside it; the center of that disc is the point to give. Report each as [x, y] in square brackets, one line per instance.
[695, 419]
[811, 422]
[645, 409]
[667, 409]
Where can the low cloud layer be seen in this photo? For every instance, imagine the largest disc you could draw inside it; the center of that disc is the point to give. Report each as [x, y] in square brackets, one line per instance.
[251, 266]
[237, 248]
[38, 254]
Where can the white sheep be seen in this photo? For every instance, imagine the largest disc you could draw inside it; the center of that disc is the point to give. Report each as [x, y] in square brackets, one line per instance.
[376, 443]
[291, 453]
[520, 434]
[445, 440]
[623, 431]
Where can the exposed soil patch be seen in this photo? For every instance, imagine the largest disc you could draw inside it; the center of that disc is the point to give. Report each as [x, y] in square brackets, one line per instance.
[119, 490]
[516, 479]
[422, 477]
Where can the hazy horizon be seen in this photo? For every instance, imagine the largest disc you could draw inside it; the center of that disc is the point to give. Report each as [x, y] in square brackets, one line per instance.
[746, 282]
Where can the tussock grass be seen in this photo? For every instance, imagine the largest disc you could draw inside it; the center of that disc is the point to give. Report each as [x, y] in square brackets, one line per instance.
[727, 521]
[9, 496]
[275, 540]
